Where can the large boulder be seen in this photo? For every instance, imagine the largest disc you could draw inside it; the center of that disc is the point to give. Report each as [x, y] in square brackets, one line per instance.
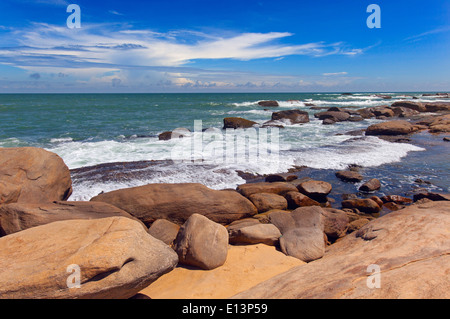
[437, 106]
[336, 116]
[237, 122]
[291, 116]
[202, 243]
[317, 190]
[410, 248]
[297, 199]
[303, 232]
[115, 257]
[268, 103]
[371, 185]
[279, 188]
[365, 205]
[417, 106]
[257, 233]
[176, 202]
[32, 175]
[20, 216]
[398, 127]
[349, 176]
[267, 201]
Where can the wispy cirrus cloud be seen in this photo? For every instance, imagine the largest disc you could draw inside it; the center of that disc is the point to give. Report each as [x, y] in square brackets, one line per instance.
[427, 33]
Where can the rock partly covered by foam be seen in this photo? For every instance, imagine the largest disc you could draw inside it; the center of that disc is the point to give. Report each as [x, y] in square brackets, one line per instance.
[177, 202]
[291, 116]
[114, 258]
[410, 247]
[32, 175]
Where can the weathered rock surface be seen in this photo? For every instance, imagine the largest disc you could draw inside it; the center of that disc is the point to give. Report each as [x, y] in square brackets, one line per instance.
[417, 106]
[349, 176]
[398, 127]
[268, 103]
[336, 116]
[291, 116]
[245, 267]
[303, 232]
[317, 190]
[202, 243]
[164, 230]
[20, 216]
[278, 188]
[237, 122]
[365, 205]
[411, 247]
[297, 199]
[176, 202]
[371, 185]
[116, 256]
[267, 201]
[32, 175]
[250, 234]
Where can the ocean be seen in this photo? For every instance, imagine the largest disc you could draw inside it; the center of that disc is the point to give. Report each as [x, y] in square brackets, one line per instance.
[93, 129]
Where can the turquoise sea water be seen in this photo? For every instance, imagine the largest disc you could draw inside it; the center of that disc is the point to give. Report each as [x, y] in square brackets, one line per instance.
[91, 129]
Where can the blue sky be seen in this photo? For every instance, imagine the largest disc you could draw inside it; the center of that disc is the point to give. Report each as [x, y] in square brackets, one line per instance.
[224, 46]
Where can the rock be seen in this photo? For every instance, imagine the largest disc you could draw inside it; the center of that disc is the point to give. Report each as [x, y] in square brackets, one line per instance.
[370, 186]
[366, 113]
[291, 116]
[398, 127]
[335, 223]
[267, 201]
[365, 205]
[317, 190]
[446, 139]
[245, 267]
[437, 106]
[328, 122]
[250, 234]
[417, 106]
[176, 202]
[177, 133]
[33, 175]
[377, 200]
[296, 199]
[385, 97]
[303, 232]
[391, 207]
[202, 243]
[383, 111]
[164, 230]
[440, 124]
[115, 255]
[355, 118]
[278, 188]
[431, 196]
[17, 217]
[268, 103]
[237, 122]
[409, 246]
[264, 218]
[280, 178]
[357, 224]
[349, 176]
[335, 116]
[401, 111]
[396, 199]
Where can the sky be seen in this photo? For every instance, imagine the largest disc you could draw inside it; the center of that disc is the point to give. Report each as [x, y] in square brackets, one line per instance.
[224, 46]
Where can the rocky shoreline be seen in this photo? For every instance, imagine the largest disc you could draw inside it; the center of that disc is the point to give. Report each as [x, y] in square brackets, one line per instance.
[139, 241]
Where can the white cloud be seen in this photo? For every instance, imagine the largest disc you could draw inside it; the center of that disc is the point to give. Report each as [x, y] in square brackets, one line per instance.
[334, 74]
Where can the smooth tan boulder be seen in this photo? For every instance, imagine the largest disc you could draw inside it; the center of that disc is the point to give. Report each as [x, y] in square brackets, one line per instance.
[411, 247]
[365, 205]
[202, 243]
[297, 199]
[250, 234]
[32, 175]
[317, 190]
[116, 259]
[398, 127]
[279, 188]
[20, 216]
[177, 202]
[245, 267]
[267, 201]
